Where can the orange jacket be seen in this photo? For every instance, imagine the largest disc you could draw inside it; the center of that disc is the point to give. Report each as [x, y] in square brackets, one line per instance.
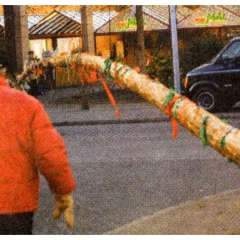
[29, 145]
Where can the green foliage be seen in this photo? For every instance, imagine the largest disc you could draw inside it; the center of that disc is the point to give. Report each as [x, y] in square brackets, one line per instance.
[193, 54]
[160, 67]
[198, 52]
[202, 131]
[168, 98]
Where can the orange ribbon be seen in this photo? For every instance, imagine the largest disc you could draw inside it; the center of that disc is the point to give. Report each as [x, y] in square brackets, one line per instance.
[168, 111]
[110, 96]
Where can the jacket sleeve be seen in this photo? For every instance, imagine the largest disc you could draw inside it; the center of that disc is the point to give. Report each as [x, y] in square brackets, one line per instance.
[50, 153]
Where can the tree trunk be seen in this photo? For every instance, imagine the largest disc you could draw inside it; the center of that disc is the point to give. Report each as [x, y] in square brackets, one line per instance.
[87, 30]
[140, 39]
[87, 42]
[16, 32]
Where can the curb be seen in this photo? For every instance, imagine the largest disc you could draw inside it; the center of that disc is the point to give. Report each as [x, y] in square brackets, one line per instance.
[102, 122]
[217, 214]
[124, 121]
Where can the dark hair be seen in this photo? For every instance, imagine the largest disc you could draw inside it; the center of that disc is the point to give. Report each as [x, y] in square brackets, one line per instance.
[30, 52]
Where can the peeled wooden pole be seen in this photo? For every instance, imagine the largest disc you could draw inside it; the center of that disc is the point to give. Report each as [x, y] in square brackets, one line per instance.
[218, 134]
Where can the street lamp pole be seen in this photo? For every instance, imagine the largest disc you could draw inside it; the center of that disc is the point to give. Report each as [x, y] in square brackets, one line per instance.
[176, 71]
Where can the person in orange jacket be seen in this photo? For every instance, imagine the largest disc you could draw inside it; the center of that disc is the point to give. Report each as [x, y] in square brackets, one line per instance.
[29, 146]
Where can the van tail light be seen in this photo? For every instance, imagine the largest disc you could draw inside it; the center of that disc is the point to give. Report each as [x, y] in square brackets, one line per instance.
[185, 82]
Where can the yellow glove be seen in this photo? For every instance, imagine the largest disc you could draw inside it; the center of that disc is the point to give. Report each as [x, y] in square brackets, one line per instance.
[64, 204]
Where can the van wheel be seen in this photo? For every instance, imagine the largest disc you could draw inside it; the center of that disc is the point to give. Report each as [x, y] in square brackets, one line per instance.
[206, 98]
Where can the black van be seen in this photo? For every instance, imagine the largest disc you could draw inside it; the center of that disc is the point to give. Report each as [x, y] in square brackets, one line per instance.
[216, 84]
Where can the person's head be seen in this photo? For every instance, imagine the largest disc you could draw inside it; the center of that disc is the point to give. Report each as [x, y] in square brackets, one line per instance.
[3, 70]
[31, 54]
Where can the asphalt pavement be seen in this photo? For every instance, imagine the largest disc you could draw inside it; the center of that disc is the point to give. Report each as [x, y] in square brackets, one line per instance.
[215, 214]
[64, 107]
